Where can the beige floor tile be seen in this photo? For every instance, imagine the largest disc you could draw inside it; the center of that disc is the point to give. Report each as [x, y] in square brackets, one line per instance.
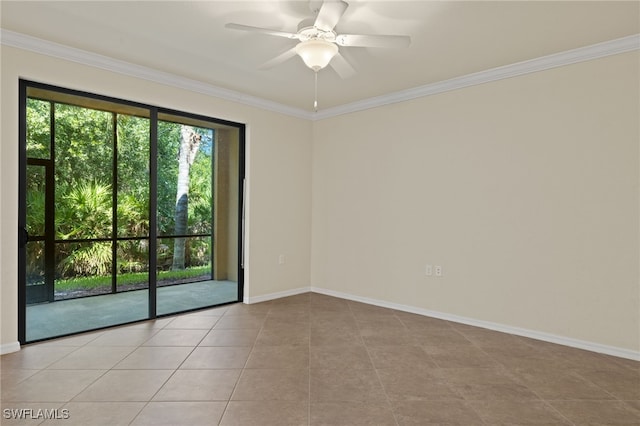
[93, 358]
[333, 335]
[368, 312]
[124, 337]
[436, 339]
[14, 376]
[35, 357]
[343, 357]
[400, 357]
[460, 356]
[125, 385]
[199, 385]
[155, 358]
[272, 385]
[150, 325]
[485, 384]
[266, 413]
[180, 413]
[419, 323]
[553, 384]
[278, 337]
[254, 309]
[517, 412]
[199, 322]
[489, 338]
[633, 365]
[410, 384]
[623, 384]
[529, 361]
[216, 312]
[635, 404]
[351, 413]
[520, 351]
[98, 414]
[240, 337]
[176, 337]
[425, 413]
[327, 302]
[288, 317]
[501, 391]
[78, 340]
[598, 412]
[578, 359]
[217, 357]
[51, 386]
[284, 357]
[375, 324]
[333, 321]
[329, 385]
[232, 322]
[387, 337]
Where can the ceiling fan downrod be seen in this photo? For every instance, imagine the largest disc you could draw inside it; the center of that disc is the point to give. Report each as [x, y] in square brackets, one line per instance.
[315, 94]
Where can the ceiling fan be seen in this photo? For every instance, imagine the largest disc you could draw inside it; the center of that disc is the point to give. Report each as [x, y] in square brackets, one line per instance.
[318, 43]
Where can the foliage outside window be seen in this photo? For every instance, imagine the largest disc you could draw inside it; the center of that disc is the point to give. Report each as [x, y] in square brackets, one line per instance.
[100, 158]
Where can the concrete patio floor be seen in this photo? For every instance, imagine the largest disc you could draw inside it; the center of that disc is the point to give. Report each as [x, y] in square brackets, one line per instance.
[46, 320]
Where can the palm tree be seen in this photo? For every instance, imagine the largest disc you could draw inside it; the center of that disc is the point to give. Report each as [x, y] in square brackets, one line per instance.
[189, 145]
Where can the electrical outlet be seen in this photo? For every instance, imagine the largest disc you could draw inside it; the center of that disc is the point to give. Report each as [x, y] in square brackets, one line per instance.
[438, 271]
[428, 270]
[282, 259]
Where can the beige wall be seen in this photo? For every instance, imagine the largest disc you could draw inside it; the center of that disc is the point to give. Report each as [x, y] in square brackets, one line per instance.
[278, 161]
[525, 190]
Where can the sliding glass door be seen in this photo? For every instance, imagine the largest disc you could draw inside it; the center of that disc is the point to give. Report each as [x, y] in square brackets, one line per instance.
[127, 212]
[197, 213]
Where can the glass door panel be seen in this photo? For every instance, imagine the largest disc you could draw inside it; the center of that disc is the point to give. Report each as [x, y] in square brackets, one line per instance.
[132, 265]
[87, 212]
[193, 172]
[38, 288]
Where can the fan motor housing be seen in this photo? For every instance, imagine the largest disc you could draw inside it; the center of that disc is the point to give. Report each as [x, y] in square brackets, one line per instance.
[307, 31]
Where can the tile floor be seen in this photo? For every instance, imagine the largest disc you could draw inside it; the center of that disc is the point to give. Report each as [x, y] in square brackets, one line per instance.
[314, 360]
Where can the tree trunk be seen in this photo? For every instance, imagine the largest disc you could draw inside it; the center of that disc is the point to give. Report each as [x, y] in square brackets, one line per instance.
[189, 145]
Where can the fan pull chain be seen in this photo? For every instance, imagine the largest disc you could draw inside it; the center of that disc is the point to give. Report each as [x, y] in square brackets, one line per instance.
[315, 93]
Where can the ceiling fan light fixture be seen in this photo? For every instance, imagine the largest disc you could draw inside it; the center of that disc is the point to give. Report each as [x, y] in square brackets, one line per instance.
[316, 53]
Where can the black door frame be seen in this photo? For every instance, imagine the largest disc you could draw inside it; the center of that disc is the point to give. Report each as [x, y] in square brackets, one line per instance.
[23, 236]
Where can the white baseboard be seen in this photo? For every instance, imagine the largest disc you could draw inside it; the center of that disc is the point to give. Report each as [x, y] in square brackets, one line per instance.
[7, 348]
[547, 337]
[278, 295]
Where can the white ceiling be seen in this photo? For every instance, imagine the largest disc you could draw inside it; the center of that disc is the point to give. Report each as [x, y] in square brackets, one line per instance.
[449, 39]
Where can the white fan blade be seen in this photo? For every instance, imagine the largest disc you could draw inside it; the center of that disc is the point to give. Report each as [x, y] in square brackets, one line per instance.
[262, 30]
[330, 13]
[360, 40]
[279, 59]
[342, 67]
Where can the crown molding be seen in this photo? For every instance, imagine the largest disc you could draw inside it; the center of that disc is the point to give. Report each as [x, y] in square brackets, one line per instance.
[582, 54]
[587, 53]
[45, 47]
